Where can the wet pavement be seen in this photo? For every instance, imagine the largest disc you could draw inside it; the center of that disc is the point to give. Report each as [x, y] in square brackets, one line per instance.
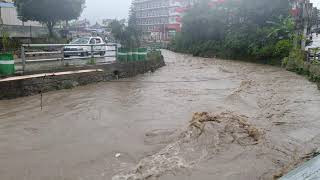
[54, 62]
[106, 130]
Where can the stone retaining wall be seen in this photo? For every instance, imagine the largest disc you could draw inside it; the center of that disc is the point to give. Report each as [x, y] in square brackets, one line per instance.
[26, 87]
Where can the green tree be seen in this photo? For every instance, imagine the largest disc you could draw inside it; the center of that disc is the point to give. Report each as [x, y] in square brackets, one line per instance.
[128, 36]
[134, 29]
[49, 12]
[117, 30]
[283, 28]
[237, 29]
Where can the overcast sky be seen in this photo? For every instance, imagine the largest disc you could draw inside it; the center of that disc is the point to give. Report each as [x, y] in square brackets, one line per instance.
[316, 3]
[96, 10]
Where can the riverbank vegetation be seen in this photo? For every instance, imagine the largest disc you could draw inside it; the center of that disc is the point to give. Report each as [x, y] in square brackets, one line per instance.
[262, 31]
[128, 36]
[295, 62]
[237, 29]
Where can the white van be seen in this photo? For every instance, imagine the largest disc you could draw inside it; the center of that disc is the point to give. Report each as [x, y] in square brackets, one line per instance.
[75, 50]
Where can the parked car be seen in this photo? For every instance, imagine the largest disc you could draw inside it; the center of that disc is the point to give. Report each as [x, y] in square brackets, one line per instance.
[78, 50]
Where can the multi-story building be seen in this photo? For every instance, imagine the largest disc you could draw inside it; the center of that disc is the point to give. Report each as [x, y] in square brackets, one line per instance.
[160, 19]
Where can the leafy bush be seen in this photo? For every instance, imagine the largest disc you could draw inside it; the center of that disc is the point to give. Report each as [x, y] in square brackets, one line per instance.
[9, 44]
[239, 29]
[315, 72]
[154, 55]
[283, 48]
[91, 61]
[128, 36]
[5, 41]
[295, 61]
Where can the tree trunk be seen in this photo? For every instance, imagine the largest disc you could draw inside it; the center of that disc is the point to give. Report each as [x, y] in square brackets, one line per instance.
[50, 26]
[304, 35]
[1, 22]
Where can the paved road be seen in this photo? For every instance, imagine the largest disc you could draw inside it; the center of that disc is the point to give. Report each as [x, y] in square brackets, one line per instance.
[49, 64]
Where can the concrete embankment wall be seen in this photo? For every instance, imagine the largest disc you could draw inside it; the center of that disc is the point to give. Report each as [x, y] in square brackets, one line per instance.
[34, 85]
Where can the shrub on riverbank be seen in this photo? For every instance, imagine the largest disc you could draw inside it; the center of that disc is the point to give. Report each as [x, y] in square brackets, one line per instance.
[233, 29]
[314, 70]
[154, 55]
[295, 62]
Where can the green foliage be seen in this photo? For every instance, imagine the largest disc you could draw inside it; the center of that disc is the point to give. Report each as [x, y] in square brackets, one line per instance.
[282, 48]
[117, 30]
[128, 36]
[240, 29]
[5, 41]
[314, 72]
[154, 55]
[295, 61]
[68, 84]
[283, 29]
[91, 61]
[49, 12]
[9, 44]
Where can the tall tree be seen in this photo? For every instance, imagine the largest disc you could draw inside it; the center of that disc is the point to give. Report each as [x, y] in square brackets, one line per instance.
[129, 36]
[134, 28]
[235, 28]
[49, 12]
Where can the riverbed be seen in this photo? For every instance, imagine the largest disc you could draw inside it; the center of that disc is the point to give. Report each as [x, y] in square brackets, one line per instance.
[136, 128]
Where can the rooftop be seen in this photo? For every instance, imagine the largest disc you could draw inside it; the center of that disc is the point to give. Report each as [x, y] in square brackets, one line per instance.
[6, 5]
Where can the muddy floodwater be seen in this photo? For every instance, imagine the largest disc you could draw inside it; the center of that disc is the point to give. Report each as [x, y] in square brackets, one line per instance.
[252, 121]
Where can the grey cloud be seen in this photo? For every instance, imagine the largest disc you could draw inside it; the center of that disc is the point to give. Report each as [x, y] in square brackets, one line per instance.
[96, 10]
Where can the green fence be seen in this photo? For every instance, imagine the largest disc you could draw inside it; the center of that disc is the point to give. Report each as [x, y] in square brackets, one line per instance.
[6, 64]
[142, 53]
[129, 55]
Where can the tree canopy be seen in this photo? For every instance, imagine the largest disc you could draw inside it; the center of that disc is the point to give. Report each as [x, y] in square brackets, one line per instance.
[49, 12]
[129, 36]
[237, 29]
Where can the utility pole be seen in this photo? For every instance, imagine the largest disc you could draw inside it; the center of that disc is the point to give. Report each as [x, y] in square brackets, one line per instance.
[1, 22]
[296, 13]
[305, 25]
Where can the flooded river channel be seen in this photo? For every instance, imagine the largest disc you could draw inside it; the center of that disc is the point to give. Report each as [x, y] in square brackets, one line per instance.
[139, 128]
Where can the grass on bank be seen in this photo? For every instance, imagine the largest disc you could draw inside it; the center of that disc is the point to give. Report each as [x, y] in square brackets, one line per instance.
[295, 62]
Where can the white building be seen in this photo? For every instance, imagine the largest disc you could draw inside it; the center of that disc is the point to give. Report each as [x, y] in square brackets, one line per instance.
[8, 15]
[161, 19]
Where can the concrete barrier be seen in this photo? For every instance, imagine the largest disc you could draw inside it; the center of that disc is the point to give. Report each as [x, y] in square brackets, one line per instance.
[33, 84]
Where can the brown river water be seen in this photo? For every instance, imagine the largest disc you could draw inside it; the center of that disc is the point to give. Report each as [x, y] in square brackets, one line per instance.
[262, 118]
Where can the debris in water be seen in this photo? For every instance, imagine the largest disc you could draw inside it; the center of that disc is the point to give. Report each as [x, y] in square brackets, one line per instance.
[117, 155]
[279, 123]
[206, 135]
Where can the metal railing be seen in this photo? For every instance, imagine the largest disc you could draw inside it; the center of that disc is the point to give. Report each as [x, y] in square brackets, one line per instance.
[313, 54]
[66, 52]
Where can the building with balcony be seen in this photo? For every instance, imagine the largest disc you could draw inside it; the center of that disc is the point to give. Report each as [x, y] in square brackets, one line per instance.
[160, 19]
